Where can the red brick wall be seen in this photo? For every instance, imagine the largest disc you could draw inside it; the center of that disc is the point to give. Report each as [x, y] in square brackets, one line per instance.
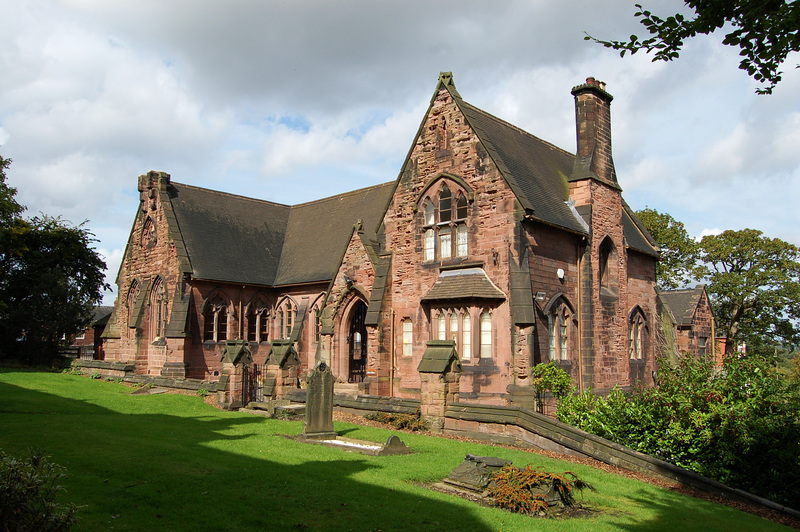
[702, 327]
[145, 260]
[204, 357]
[447, 144]
[551, 250]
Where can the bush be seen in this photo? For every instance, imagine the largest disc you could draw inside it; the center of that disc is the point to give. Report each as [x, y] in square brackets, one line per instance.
[27, 494]
[739, 425]
[549, 378]
[531, 491]
[411, 422]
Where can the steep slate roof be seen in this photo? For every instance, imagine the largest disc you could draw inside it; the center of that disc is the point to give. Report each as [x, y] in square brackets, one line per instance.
[537, 172]
[318, 232]
[229, 237]
[683, 303]
[636, 234]
[244, 240]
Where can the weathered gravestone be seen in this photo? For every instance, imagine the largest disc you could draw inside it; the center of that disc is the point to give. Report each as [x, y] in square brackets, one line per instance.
[318, 423]
[475, 472]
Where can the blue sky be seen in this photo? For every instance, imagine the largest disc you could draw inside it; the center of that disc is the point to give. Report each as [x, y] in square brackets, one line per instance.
[293, 101]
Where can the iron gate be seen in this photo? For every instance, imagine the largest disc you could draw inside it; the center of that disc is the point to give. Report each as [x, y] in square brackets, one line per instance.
[252, 383]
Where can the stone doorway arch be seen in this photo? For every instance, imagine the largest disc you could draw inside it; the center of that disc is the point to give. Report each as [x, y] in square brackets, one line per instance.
[357, 343]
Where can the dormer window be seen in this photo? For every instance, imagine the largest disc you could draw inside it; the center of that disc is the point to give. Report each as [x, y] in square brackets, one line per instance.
[444, 231]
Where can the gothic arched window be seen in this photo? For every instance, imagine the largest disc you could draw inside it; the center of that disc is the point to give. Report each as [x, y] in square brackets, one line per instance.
[158, 309]
[444, 218]
[215, 320]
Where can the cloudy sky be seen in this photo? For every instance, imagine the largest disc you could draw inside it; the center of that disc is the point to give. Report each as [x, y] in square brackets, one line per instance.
[295, 100]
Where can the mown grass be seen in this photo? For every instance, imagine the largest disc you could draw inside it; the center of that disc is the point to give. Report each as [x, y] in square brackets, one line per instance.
[170, 462]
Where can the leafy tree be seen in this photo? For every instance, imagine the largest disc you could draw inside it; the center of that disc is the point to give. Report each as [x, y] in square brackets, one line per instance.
[766, 32]
[9, 208]
[678, 249]
[754, 284]
[50, 279]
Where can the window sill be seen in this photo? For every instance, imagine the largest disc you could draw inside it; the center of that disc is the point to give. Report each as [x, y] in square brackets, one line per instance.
[565, 364]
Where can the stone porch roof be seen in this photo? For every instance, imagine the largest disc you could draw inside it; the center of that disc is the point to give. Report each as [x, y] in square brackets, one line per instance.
[467, 283]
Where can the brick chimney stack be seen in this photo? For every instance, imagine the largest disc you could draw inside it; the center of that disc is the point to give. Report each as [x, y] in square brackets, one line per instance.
[593, 123]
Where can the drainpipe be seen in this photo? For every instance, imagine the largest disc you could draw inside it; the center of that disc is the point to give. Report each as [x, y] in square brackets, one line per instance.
[580, 321]
[391, 356]
[241, 318]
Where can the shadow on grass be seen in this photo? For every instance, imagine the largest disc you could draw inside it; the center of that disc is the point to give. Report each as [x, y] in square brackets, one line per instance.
[673, 511]
[211, 472]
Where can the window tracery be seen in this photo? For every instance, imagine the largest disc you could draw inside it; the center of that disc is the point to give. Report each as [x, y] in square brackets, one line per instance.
[637, 330]
[445, 233]
[215, 320]
[562, 326]
[158, 309]
[286, 314]
[258, 321]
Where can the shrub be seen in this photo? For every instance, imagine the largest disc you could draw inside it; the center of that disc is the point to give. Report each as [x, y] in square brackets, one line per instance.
[739, 425]
[532, 491]
[549, 378]
[411, 422]
[27, 494]
[202, 392]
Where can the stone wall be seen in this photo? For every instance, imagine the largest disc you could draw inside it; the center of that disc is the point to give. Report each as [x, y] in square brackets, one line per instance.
[448, 149]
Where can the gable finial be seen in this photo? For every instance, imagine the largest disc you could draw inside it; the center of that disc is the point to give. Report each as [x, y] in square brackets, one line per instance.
[446, 80]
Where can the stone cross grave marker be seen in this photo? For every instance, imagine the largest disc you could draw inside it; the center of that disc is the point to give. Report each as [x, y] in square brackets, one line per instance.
[318, 423]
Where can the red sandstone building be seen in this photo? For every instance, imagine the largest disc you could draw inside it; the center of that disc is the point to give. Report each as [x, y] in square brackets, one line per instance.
[516, 250]
[688, 322]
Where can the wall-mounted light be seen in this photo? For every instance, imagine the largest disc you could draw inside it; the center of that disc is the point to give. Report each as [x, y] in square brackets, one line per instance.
[540, 296]
[560, 274]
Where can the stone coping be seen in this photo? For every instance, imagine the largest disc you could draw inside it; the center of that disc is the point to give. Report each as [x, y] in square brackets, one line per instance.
[596, 447]
[103, 364]
[373, 403]
[179, 384]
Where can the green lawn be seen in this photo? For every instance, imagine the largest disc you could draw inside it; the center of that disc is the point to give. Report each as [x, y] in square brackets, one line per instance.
[170, 462]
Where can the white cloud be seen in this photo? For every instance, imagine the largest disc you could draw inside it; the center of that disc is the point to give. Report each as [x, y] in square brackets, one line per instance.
[293, 101]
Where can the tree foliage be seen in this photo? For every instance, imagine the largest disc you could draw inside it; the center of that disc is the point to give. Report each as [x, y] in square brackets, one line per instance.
[50, 279]
[765, 31]
[678, 249]
[754, 284]
[740, 425]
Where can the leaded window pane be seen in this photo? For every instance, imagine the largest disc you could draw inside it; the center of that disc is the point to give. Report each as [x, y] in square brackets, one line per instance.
[429, 245]
[486, 335]
[445, 205]
[466, 336]
[461, 207]
[461, 240]
[429, 209]
[445, 243]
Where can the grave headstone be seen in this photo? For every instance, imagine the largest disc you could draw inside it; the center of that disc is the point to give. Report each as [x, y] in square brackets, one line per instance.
[318, 423]
[393, 445]
[475, 472]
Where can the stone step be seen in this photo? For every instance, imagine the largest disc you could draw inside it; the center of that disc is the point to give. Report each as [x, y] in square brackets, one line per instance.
[346, 388]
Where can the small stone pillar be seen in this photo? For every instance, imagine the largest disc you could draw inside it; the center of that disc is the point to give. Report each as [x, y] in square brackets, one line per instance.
[439, 374]
[234, 358]
[282, 363]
